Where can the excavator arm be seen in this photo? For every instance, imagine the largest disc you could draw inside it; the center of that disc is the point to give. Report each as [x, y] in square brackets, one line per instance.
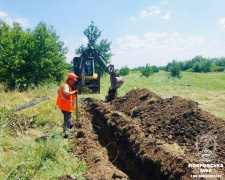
[116, 80]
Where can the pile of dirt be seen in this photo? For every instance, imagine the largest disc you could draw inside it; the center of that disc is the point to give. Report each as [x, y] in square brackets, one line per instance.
[175, 120]
[154, 138]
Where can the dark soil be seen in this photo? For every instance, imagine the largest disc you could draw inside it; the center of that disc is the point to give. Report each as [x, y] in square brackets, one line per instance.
[154, 138]
[143, 136]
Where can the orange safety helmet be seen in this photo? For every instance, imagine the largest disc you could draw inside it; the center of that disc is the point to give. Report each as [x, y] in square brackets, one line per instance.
[72, 76]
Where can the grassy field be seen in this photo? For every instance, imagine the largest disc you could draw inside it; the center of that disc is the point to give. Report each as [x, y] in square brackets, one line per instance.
[40, 153]
[35, 156]
[208, 89]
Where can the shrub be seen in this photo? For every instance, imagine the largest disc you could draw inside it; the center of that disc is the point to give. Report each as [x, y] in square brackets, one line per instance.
[174, 69]
[124, 71]
[155, 69]
[147, 71]
[197, 68]
[205, 66]
[218, 68]
[190, 70]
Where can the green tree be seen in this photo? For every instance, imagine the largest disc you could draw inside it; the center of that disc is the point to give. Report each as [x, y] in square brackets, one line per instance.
[30, 58]
[205, 66]
[93, 34]
[175, 69]
[155, 69]
[147, 70]
[124, 71]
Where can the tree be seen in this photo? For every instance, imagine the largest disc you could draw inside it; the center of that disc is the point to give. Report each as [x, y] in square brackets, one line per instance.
[124, 71]
[29, 58]
[147, 71]
[174, 69]
[206, 66]
[93, 33]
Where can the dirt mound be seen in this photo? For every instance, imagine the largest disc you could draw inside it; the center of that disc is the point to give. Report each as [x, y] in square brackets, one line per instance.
[173, 119]
[134, 98]
[154, 138]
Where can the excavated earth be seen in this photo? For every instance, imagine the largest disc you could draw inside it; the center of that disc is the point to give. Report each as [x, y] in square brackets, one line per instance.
[143, 136]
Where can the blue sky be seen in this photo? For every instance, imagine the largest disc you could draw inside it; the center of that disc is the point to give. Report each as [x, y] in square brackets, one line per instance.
[141, 31]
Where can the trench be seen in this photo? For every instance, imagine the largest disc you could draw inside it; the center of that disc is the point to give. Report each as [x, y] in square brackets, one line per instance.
[120, 151]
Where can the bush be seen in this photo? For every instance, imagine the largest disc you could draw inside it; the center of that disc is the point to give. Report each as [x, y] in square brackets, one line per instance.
[196, 68]
[155, 69]
[205, 66]
[124, 71]
[174, 69]
[218, 68]
[190, 70]
[147, 71]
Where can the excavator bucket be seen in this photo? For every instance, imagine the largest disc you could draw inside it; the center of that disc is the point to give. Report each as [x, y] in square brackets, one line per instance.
[116, 82]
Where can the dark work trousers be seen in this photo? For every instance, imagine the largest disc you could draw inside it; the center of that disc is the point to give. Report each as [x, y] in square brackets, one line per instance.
[67, 120]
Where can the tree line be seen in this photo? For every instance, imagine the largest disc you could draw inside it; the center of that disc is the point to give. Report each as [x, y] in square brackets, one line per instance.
[30, 57]
[200, 64]
[197, 64]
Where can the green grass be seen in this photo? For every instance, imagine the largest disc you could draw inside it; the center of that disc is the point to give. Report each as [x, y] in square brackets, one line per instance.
[35, 155]
[208, 89]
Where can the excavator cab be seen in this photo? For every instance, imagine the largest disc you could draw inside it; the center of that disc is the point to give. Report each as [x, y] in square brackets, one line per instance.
[90, 68]
[85, 70]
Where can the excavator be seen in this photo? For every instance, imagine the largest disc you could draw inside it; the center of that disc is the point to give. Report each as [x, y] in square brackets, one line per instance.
[85, 70]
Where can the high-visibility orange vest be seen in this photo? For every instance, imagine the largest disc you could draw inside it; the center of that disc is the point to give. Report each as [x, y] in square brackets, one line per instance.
[65, 103]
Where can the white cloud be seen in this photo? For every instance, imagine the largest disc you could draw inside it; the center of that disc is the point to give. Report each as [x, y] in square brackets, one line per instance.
[223, 28]
[164, 2]
[6, 18]
[9, 21]
[152, 10]
[175, 34]
[22, 21]
[192, 41]
[3, 14]
[167, 16]
[170, 40]
[156, 48]
[132, 19]
[221, 21]
[152, 35]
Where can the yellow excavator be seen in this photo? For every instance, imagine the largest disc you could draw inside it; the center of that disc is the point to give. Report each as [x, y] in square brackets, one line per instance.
[85, 70]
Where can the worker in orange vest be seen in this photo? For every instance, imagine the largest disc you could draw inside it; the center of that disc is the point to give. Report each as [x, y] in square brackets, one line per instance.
[65, 101]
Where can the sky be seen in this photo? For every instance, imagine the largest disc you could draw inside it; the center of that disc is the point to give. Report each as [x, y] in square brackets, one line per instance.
[141, 31]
